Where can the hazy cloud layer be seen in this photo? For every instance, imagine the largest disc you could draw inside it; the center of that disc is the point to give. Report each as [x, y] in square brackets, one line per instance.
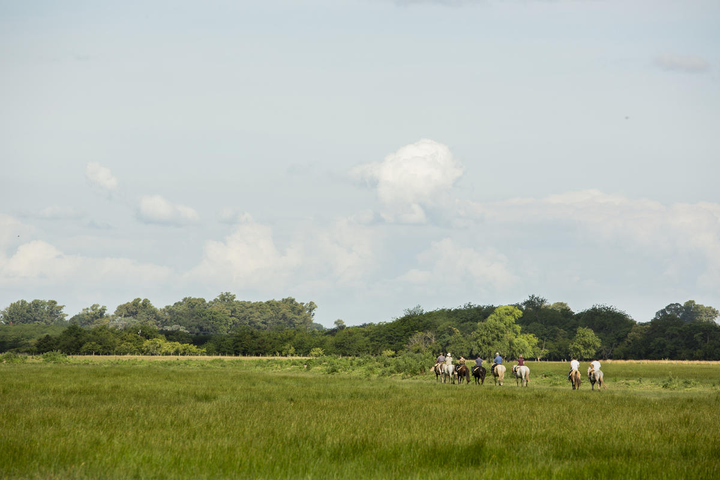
[446, 264]
[37, 263]
[57, 212]
[156, 209]
[234, 215]
[682, 63]
[669, 232]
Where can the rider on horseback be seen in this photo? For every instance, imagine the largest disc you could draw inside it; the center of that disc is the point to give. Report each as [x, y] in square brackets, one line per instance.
[478, 362]
[497, 361]
[439, 361]
[574, 365]
[521, 362]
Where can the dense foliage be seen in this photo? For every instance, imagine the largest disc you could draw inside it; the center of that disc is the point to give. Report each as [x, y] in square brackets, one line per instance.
[227, 326]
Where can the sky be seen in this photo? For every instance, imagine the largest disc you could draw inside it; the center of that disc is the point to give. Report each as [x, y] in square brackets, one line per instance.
[367, 155]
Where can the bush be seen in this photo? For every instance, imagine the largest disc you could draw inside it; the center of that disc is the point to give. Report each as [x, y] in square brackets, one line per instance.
[12, 357]
[54, 356]
[317, 352]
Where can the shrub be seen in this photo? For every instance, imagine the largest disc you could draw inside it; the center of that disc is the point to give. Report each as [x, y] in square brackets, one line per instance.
[12, 357]
[54, 356]
[317, 352]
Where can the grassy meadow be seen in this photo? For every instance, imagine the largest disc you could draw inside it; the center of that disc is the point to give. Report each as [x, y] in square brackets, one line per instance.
[275, 419]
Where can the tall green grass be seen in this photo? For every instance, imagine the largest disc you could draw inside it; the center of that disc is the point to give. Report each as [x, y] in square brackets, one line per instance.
[274, 419]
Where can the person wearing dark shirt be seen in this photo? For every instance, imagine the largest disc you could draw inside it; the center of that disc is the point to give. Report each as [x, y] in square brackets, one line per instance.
[478, 362]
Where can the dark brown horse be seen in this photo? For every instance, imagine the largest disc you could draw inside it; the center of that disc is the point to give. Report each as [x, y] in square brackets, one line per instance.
[437, 370]
[479, 374]
[463, 373]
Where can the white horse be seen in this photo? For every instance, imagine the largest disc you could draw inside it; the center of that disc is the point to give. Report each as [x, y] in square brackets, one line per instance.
[499, 374]
[522, 374]
[448, 370]
[596, 376]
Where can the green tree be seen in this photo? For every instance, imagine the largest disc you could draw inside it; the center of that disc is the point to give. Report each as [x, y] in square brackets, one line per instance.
[141, 310]
[45, 312]
[585, 344]
[690, 311]
[91, 316]
[500, 333]
[611, 325]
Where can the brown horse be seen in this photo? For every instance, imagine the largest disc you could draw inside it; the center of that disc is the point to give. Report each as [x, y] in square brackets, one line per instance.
[463, 373]
[479, 374]
[575, 379]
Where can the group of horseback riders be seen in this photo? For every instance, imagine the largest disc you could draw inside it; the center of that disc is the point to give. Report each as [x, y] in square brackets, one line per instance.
[575, 365]
[498, 360]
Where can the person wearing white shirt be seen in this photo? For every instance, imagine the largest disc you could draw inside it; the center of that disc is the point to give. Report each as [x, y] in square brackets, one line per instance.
[595, 365]
[574, 365]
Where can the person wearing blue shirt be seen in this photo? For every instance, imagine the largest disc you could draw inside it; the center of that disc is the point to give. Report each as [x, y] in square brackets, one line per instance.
[498, 361]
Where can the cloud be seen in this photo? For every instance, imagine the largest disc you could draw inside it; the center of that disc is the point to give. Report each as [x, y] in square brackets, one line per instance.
[57, 212]
[446, 3]
[669, 233]
[38, 263]
[248, 258]
[101, 177]
[447, 264]
[156, 209]
[348, 249]
[12, 232]
[417, 176]
[682, 63]
[233, 215]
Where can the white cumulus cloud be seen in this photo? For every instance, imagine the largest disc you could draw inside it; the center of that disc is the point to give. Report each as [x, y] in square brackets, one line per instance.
[247, 258]
[417, 176]
[156, 209]
[101, 177]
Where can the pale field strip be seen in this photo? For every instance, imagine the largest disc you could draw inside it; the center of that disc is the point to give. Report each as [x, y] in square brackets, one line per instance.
[178, 357]
[229, 357]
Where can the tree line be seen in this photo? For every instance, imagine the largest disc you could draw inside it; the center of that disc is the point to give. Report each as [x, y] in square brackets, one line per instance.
[534, 328]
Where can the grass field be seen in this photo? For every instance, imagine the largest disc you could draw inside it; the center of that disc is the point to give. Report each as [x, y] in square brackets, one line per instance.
[268, 419]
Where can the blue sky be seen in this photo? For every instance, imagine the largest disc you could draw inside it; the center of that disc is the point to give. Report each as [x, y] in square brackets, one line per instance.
[367, 155]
